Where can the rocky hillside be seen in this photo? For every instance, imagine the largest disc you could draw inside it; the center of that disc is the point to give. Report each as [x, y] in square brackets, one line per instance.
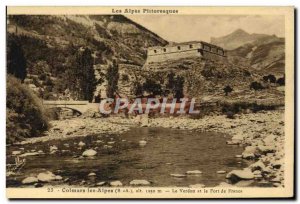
[206, 80]
[237, 39]
[202, 77]
[50, 43]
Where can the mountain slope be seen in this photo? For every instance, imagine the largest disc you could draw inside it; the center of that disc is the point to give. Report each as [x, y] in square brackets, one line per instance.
[108, 35]
[51, 42]
[237, 39]
[266, 55]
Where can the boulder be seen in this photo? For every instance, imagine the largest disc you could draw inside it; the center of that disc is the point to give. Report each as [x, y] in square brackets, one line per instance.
[89, 153]
[221, 172]
[139, 183]
[257, 166]
[265, 149]
[30, 180]
[115, 183]
[237, 175]
[249, 152]
[46, 177]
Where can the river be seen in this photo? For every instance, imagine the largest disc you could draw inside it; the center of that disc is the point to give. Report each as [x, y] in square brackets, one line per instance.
[120, 157]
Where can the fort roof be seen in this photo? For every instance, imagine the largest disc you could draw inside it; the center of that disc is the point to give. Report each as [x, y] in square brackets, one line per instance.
[185, 43]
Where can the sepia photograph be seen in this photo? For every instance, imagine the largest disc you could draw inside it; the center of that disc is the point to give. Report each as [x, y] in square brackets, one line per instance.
[149, 102]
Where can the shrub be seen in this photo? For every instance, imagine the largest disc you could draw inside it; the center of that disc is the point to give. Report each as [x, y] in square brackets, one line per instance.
[281, 81]
[25, 114]
[230, 115]
[227, 90]
[256, 86]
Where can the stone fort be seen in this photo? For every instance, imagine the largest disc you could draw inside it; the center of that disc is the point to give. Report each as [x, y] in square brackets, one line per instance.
[184, 50]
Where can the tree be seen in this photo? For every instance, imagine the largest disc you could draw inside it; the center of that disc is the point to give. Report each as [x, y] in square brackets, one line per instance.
[227, 90]
[152, 87]
[178, 87]
[83, 75]
[112, 77]
[16, 61]
[137, 89]
[175, 85]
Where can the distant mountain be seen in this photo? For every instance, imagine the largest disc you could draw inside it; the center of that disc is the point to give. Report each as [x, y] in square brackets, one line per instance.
[237, 39]
[266, 55]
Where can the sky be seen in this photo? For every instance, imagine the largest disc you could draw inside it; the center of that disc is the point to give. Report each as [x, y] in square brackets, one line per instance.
[181, 28]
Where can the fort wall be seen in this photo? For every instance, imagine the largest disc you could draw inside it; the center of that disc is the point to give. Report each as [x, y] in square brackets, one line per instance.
[185, 50]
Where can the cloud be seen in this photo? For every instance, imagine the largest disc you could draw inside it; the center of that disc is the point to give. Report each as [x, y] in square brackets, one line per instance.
[182, 28]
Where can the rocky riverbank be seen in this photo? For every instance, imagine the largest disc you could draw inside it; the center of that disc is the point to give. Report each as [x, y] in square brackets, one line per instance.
[262, 135]
[81, 127]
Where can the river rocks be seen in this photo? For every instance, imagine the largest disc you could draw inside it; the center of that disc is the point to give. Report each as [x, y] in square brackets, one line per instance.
[101, 183]
[249, 152]
[233, 142]
[178, 175]
[194, 172]
[142, 143]
[221, 172]
[10, 173]
[89, 153]
[14, 153]
[115, 183]
[266, 149]
[259, 165]
[198, 185]
[237, 175]
[58, 178]
[81, 144]
[47, 177]
[75, 128]
[277, 164]
[91, 174]
[53, 149]
[269, 140]
[139, 183]
[30, 180]
[29, 154]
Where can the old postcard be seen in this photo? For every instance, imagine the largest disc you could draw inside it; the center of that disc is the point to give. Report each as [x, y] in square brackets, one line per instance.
[150, 102]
